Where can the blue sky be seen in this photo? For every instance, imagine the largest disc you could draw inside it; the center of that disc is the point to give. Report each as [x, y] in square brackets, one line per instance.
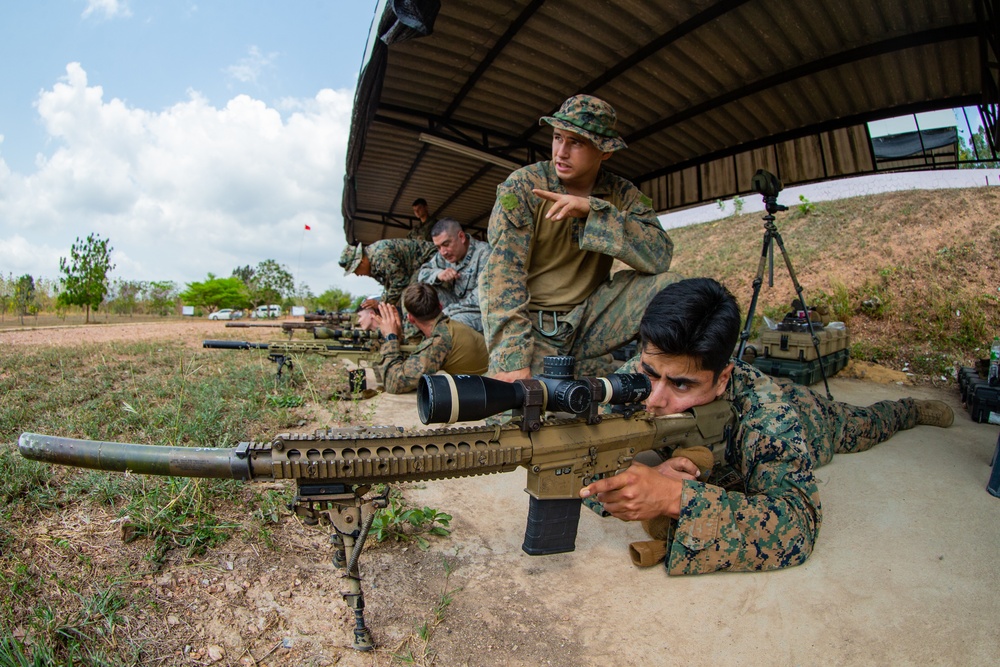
[196, 136]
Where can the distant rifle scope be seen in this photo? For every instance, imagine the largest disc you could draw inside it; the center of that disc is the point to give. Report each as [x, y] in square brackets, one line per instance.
[766, 183]
[445, 399]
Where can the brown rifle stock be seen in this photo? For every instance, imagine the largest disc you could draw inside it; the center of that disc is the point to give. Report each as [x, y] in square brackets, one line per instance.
[334, 469]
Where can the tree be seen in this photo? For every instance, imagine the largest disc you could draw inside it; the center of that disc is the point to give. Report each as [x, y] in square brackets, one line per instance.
[334, 300]
[215, 293]
[124, 296]
[980, 146]
[5, 294]
[85, 276]
[161, 297]
[24, 296]
[267, 283]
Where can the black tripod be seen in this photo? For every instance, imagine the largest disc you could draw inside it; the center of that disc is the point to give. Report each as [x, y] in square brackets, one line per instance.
[768, 185]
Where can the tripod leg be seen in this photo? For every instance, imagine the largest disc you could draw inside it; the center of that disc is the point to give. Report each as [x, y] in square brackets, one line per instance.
[805, 307]
[757, 282]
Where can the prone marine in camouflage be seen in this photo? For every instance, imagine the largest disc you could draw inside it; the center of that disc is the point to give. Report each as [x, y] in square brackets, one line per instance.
[394, 263]
[448, 345]
[556, 228]
[770, 517]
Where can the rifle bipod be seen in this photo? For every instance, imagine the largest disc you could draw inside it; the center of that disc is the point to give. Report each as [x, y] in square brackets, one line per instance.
[351, 517]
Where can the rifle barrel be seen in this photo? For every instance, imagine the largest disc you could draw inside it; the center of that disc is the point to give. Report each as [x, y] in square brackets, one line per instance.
[247, 325]
[234, 345]
[141, 459]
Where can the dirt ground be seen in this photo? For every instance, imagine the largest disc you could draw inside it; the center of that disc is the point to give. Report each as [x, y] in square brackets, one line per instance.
[473, 598]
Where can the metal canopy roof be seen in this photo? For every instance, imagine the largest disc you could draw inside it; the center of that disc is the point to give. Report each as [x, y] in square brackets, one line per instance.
[706, 92]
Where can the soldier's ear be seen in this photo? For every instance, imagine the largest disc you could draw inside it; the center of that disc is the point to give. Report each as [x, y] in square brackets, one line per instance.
[723, 381]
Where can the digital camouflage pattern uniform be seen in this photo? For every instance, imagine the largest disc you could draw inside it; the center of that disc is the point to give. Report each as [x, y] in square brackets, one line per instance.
[452, 347]
[395, 263]
[785, 432]
[460, 298]
[621, 225]
[421, 231]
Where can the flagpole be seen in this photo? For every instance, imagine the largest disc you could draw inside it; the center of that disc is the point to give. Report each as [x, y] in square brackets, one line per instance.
[302, 240]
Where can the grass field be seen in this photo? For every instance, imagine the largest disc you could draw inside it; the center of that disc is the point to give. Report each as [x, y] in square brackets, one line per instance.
[65, 601]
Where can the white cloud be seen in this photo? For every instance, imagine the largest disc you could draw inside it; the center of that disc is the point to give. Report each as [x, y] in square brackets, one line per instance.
[184, 191]
[249, 68]
[108, 9]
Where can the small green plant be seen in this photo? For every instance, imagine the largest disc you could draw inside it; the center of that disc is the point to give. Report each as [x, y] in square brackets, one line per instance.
[738, 204]
[804, 206]
[401, 522]
[286, 400]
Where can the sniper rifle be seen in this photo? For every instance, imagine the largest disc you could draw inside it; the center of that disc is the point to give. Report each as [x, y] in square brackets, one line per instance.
[335, 469]
[355, 345]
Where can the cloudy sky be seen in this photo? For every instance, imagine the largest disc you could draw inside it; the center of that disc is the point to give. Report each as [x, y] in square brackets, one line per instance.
[196, 136]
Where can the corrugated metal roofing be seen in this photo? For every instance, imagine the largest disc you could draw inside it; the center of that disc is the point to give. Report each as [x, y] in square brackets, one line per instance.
[706, 93]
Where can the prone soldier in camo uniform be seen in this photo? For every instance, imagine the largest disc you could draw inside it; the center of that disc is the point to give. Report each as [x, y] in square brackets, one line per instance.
[448, 345]
[556, 228]
[771, 516]
[394, 263]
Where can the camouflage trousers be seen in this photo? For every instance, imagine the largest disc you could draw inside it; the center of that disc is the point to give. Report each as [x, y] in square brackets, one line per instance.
[605, 321]
[830, 427]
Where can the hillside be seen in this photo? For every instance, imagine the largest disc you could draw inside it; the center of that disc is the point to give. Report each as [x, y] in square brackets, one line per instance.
[913, 274]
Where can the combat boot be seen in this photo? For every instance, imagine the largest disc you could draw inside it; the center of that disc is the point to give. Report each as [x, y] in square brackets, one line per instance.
[934, 413]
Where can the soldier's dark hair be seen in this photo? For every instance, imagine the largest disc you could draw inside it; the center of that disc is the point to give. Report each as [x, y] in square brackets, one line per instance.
[419, 200]
[446, 226]
[697, 318]
[421, 301]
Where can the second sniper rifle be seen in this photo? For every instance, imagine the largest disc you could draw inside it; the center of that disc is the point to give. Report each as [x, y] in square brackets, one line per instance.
[355, 345]
[334, 470]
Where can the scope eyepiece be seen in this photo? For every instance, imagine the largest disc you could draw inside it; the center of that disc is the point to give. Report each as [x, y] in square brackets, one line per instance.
[624, 388]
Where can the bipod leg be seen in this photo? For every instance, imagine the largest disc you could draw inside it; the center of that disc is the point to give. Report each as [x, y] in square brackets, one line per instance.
[805, 307]
[349, 540]
[339, 557]
[757, 282]
[354, 597]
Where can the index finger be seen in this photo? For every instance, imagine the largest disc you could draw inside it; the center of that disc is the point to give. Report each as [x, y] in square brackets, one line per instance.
[545, 194]
[604, 485]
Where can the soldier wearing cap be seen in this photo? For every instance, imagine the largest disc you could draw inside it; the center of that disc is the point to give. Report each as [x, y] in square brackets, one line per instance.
[394, 263]
[556, 228]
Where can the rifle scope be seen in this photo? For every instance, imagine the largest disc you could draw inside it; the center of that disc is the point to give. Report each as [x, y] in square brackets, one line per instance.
[445, 399]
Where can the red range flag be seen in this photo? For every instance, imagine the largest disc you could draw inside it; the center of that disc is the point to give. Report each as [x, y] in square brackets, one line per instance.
[308, 227]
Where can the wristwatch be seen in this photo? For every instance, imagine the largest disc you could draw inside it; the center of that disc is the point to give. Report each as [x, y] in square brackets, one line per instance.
[389, 337]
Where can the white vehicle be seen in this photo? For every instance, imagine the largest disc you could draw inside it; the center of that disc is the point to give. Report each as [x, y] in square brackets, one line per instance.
[226, 314]
[261, 312]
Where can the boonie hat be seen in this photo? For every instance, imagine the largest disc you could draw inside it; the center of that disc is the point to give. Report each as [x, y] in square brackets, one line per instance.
[590, 116]
[351, 258]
